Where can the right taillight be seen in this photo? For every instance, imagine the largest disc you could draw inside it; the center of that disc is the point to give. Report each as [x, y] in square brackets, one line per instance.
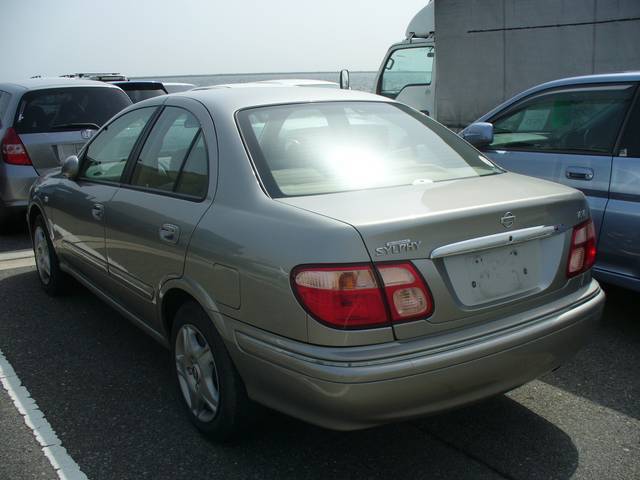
[582, 254]
[13, 151]
[351, 296]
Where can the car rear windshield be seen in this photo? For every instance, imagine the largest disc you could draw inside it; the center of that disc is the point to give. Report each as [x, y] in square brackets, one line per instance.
[137, 95]
[328, 147]
[139, 91]
[69, 108]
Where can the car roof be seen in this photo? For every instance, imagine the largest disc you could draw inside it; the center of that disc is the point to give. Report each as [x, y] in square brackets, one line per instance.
[282, 82]
[51, 82]
[617, 77]
[230, 100]
[297, 81]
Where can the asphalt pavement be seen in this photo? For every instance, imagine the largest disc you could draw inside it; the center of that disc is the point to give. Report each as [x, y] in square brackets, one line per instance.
[106, 389]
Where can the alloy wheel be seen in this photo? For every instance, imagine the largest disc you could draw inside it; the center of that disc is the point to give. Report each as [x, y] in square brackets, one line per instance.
[197, 373]
[41, 250]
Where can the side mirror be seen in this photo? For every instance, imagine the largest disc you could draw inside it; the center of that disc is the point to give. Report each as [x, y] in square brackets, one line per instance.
[70, 167]
[344, 80]
[479, 134]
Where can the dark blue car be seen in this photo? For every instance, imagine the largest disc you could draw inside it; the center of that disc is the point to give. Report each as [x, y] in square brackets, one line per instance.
[583, 132]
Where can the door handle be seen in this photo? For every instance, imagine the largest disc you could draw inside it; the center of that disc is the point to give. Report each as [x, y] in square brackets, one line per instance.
[579, 173]
[97, 211]
[169, 233]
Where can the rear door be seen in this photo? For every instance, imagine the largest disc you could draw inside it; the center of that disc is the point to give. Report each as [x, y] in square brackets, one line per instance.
[619, 246]
[54, 123]
[150, 219]
[566, 135]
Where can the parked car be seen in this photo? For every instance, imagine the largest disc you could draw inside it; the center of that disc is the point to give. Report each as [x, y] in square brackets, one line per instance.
[583, 132]
[141, 90]
[301, 82]
[42, 121]
[176, 87]
[331, 254]
[98, 76]
[284, 82]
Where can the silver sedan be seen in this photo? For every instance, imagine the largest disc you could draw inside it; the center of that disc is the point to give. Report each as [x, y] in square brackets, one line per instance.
[330, 254]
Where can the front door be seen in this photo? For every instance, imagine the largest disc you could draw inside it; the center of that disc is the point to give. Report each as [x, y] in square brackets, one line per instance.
[78, 207]
[166, 192]
[566, 135]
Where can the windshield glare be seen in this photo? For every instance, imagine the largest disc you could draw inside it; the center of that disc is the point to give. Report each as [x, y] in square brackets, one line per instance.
[318, 148]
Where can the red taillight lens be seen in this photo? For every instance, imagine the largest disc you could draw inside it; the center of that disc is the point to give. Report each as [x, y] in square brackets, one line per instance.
[582, 254]
[407, 294]
[343, 297]
[13, 151]
[350, 296]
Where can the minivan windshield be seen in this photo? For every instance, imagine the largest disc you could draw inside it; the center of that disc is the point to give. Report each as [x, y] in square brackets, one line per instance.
[328, 147]
[68, 108]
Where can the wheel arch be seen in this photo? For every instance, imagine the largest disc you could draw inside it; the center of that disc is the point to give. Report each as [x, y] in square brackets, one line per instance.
[32, 213]
[177, 292]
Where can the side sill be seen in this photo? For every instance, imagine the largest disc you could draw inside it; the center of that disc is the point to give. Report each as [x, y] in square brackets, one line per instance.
[157, 336]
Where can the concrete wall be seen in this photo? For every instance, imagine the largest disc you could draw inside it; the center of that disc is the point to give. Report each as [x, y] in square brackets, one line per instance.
[488, 50]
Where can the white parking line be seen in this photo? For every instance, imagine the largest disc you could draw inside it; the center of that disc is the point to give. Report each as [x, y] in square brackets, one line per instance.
[61, 461]
[17, 259]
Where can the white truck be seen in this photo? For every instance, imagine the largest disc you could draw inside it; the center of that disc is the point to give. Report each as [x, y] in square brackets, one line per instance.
[460, 58]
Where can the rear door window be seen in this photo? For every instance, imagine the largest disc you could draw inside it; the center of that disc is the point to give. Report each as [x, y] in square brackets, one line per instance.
[68, 108]
[572, 120]
[172, 141]
[630, 142]
[107, 154]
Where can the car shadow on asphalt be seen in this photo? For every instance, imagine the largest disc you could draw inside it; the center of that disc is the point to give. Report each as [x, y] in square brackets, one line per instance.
[107, 390]
[14, 236]
[605, 371]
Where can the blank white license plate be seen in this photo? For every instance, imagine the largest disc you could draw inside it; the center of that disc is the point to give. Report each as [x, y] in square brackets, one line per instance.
[497, 273]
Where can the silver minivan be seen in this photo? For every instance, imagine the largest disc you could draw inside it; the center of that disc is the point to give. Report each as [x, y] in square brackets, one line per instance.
[43, 121]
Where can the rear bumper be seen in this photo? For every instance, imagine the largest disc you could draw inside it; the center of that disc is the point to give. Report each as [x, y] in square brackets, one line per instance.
[15, 183]
[340, 389]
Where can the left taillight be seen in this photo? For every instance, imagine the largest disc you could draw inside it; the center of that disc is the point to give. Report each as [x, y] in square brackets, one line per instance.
[351, 296]
[582, 254]
[13, 151]
[407, 293]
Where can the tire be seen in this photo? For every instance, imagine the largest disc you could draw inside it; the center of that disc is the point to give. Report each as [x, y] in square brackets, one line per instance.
[52, 279]
[201, 361]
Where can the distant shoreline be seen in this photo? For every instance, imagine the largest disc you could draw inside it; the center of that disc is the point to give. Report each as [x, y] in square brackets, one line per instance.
[248, 74]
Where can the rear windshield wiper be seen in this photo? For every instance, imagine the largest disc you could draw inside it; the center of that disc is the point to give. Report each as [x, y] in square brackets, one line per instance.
[61, 126]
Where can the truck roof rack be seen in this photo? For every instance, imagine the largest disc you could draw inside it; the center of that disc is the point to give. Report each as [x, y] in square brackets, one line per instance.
[100, 76]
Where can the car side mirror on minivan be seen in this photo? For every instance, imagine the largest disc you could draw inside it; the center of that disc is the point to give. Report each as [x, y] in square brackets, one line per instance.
[70, 167]
[479, 134]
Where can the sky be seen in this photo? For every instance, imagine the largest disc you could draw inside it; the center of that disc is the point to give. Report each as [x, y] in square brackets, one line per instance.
[143, 37]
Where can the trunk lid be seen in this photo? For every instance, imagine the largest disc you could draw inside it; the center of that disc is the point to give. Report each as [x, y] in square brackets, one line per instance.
[485, 245]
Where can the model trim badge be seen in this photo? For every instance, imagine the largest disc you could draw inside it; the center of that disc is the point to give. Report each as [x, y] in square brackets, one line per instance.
[398, 246]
